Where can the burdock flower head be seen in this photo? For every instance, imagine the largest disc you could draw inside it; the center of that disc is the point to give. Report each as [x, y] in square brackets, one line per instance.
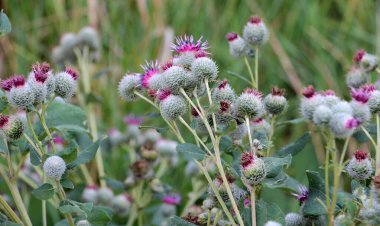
[175, 78]
[310, 101]
[172, 199]
[223, 92]
[66, 82]
[294, 219]
[343, 125]
[252, 168]
[238, 46]
[368, 62]
[275, 102]
[218, 182]
[360, 97]
[187, 49]
[255, 31]
[20, 94]
[302, 195]
[12, 126]
[204, 68]
[374, 102]
[360, 167]
[54, 167]
[249, 104]
[356, 77]
[151, 79]
[128, 85]
[90, 193]
[171, 106]
[39, 79]
[322, 115]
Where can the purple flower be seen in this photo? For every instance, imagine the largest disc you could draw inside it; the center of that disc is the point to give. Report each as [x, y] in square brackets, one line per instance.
[132, 120]
[150, 69]
[302, 195]
[172, 199]
[187, 44]
[362, 94]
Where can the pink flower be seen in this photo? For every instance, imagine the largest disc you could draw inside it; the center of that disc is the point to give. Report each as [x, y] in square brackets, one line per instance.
[150, 69]
[363, 93]
[173, 199]
[131, 120]
[187, 44]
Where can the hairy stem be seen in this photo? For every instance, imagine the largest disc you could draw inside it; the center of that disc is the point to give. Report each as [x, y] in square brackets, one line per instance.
[378, 144]
[210, 101]
[249, 132]
[253, 206]
[250, 73]
[257, 67]
[9, 212]
[62, 197]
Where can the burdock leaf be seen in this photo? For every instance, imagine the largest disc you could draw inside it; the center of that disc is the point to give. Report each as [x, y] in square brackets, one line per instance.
[295, 147]
[191, 151]
[44, 191]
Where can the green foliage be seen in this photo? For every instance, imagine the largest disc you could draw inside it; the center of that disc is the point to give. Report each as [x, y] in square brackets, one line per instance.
[44, 192]
[177, 221]
[5, 24]
[191, 151]
[295, 147]
[87, 154]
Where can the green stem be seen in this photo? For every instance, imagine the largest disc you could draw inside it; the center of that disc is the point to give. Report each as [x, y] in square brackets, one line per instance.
[369, 137]
[9, 162]
[9, 212]
[250, 72]
[271, 132]
[208, 217]
[44, 220]
[218, 215]
[335, 186]
[257, 67]
[34, 134]
[62, 197]
[140, 219]
[253, 206]
[327, 162]
[378, 145]
[33, 145]
[46, 128]
[132, 216]
[210, 101]
[249, 133]
[345, 147]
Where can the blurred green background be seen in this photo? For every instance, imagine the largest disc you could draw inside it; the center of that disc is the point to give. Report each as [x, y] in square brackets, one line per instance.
[312, 42]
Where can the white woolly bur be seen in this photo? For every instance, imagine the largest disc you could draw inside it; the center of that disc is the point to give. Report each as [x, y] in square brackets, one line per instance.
[359, 170]
[239, 47]
[105, 195]
[374, 102]
[223, 94]
[338, 125]
[203, 68]
[175, 78]
[356, 77]
[14, 129]
[331, 100]
[121, 204]
[166, 147]
[308, 106]
[185, 59]
[342, 107]
[172, 107]
[127, 87]
[275, 104]
[54, 167]
[360, 111]
[272, 223]
[322, 115]
[294, 219]
[256, 34]
[90, 194]
[250, 105]
[65, 85]
[39, 89]
[21, 97]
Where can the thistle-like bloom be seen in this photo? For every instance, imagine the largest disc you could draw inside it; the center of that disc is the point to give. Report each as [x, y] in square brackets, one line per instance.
[121, 204]
[360, 108]
[343, 125]
[171, 106]
[322, 115]
[65, 83]
[21, 94]
[252, 169]
[54, 167]
[294, 219]
[218, 182]
[187, 49]
[360, 167]
[302, 195]
[356, 77]
[105, 196]
[255, 32]
[275, 102]
[152, 79]
[238, 46]
[39, 79]
[11, 126]
[223, 92]
[342, 107]
[208, 204]
[172, 199]
[330, 98]
[127, 87]
[374, 102]
[310, 101]
[90, 193]
[204, 68]
[249, 104]
[368, 62]
[133, 126]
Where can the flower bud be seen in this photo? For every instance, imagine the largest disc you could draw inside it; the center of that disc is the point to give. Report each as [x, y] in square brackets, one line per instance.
[152, 79]
[260, 126]
[68, 40]
[249, 104]
[361, 111]
[322, 115]
[166, 147]
[342, 107]
[275, 103]
[38, 80]
[368, 62]
[187, 50]
[204, 68]
[330, 98]
[65, 83]
[83, 223]
[310, 101]
[208, 204]
[121, 204]
[152, 136]
[12, 126]
[360, 167]
[105, 196]
[133, 126]
[90, 193]
[294, 219]
[140, 168]
[89, 36]
[374, 102]
[172, 106]
[238, 46]
[255, 32]
[127, 86]
[223, 92]
[252, 168]
[54, 167]
[175, 78]
[356, 77]
[21, 95]
[343, 125]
